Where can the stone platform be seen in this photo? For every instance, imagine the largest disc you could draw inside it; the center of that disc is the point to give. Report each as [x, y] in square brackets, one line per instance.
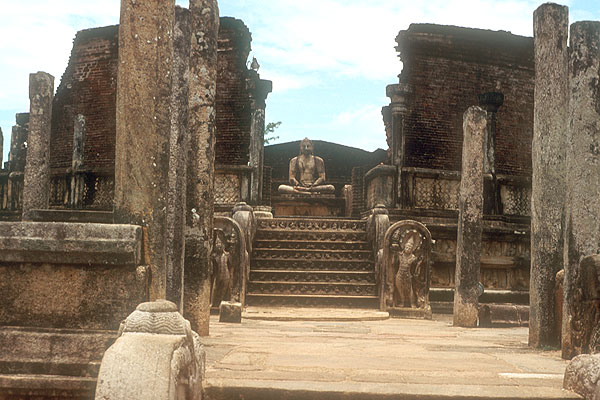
[308, 205]
[389, 359]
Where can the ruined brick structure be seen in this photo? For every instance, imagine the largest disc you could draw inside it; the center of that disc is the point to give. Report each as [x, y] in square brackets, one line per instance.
[448, 67]
[88, 87]
[233, 104]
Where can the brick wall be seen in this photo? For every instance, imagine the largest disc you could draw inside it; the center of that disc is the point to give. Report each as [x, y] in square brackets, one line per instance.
[448, 67]
[233, 115]
[88, 87]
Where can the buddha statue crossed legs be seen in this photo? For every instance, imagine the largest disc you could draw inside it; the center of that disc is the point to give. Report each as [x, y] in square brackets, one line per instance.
[307, 173]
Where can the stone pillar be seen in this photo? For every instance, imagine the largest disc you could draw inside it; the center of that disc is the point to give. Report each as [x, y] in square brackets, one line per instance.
[582, 222]
[201, 162]
[18, 150]
[399, 96]
[1, 148]
[178, 145]
[143, 126]
[491, 102]
[258, 90]
[468, 246]
[548, 154]
[36, 185]
[77, 182]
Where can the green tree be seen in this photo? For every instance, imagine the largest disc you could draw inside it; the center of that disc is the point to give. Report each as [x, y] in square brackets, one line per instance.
[269, 130]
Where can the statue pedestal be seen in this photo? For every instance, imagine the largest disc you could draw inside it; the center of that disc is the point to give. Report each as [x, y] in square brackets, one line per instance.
[309, 205]
[408, 312]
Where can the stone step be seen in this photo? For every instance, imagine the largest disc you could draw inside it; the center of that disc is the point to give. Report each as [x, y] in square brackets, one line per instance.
[312, 224]
[258, 263]
[32, 386]
[310, 245]
[312, 255]
[288, 300]
[312, 288]
[313, 276]
[334, 236]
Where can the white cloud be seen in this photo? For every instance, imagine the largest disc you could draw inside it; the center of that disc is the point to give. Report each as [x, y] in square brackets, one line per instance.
[363, 124]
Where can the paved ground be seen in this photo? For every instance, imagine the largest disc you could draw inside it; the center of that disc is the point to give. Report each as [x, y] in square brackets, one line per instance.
[374, 359]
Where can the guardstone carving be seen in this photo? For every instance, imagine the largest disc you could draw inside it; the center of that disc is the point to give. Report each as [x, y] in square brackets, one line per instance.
[156, 356]
[407, 267]
[234, 241]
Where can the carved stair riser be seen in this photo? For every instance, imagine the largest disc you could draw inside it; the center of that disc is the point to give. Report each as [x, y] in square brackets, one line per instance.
[356, 302]
[322, 265]
[303, 224]
[313, 288]
[300, 276]
[310, 245]
[338, 236]
[313, 255]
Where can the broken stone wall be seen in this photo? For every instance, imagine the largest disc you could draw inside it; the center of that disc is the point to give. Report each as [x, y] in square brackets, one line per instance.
[447, 68]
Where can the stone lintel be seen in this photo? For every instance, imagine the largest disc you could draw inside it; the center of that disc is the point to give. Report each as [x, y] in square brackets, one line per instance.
[70, 243]
[380, 170]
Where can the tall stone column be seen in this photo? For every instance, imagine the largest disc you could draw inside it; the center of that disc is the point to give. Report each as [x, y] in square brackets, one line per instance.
[201, 162]
[36, 185]
[468, 246]
[258, 90]
[143, 126]
[582, 222]
[179, 143]
[399, 96]
[548, 156]
[1, 148]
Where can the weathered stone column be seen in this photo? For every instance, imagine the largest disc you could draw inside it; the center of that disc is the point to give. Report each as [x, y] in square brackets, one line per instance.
[399, 95]
[548, 156]
[582, 222]
[36, 186]
[178, 145]
[468, 246]
[143, 126]
[258, 90]
[1, 148]
[201, 162]
[77, 182]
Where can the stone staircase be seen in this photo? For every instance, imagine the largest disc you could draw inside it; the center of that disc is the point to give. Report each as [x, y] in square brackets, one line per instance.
[312, 262]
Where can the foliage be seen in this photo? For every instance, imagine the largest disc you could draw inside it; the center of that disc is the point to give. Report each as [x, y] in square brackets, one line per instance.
[269, 130]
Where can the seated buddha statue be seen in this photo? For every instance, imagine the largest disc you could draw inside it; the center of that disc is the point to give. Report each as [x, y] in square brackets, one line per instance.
[307, 173]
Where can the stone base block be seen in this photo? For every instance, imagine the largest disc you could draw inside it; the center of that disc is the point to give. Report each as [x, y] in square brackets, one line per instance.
[230, 311]
[308, 205]
[412, 313]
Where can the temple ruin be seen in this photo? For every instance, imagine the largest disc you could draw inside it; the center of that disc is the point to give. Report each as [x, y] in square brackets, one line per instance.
[138, 199]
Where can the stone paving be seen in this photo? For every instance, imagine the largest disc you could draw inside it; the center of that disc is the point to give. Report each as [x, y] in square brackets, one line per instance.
[356, 354]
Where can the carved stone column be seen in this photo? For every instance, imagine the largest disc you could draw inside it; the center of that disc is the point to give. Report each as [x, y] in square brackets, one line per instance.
[491, 102]
[582, 222]
[178, 146]
[143, 126]
[258, 89]
[201, 162]
[399, 95]
[36, 186]
[548, 156]
[468, 246]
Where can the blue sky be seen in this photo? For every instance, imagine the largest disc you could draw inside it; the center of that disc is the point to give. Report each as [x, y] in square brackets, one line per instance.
[329, 60]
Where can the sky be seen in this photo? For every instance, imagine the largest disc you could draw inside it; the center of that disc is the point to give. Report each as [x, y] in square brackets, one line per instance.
[329, 60]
